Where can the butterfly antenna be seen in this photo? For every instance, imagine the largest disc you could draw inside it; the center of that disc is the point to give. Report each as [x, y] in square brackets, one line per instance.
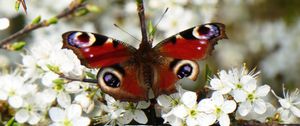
[127, 32]
[161, 17]
[155, 26]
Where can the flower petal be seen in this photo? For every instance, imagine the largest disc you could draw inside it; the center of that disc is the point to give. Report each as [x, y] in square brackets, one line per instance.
[262, 90]
[190, 121]
[217, 98]
[22, 116]
[189, 99]
[163, 100]
[140, 117]
[259, 106]
[228, 106]
[206, 119]
[34, 118]
[64, 99]
[295, 111]
[15, 101]
[224, 120]
[180, 111]
[244, 108]
[249, 83]
[206, 105]
[57, 114]
[239, 95]
[126, 118]
[74, 111]
[143, 104]
[81, 121]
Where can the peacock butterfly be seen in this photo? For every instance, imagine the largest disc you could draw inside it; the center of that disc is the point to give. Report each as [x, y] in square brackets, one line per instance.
[127, 73]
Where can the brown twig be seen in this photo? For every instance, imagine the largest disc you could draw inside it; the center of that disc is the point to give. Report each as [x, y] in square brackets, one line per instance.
[44, 23]
[141, 13]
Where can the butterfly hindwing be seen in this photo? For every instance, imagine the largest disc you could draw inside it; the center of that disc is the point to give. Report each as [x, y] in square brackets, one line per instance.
[96, 50]
[121, 81]
[194, 43]
[170, 71]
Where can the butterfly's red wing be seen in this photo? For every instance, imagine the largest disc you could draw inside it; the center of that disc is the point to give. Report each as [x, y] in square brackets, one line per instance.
[95, 51]
[121, 81]
[179, 52]
[194, 43]
[112, 57]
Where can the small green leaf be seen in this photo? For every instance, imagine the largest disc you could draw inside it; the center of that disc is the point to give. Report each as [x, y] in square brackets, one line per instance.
[139, 1]
[52, 20]
[12, 122]
[151, 29]
[17, 5]
[208, 73]
[54, 69]
[81, 12]
[59, 81]
[93, 8]
[36, 20]
[90, 75]
[17, 46]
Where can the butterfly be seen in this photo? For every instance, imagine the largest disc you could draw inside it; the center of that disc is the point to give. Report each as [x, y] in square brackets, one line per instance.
[127, 73]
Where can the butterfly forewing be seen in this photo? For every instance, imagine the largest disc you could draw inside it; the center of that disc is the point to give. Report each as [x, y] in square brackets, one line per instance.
[96, 50]
[194, 43]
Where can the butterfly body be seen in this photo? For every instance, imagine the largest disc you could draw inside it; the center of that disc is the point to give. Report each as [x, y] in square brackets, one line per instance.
[128, 73]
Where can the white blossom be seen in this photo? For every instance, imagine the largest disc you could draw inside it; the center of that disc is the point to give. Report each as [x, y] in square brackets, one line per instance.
[253, 100]
[70, 116]
[13, 88]
[289, 105]
[218, 108]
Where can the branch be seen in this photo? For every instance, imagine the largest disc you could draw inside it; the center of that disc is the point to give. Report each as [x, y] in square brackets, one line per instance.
[141, 13]
[31, 27]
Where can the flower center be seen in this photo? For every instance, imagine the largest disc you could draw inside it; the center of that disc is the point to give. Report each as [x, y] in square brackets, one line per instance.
[175, 102]
[218, 110]
[11, 93]
[239, 86]
[251, 97]
[58, 87]
[193, 113]
[67, 122]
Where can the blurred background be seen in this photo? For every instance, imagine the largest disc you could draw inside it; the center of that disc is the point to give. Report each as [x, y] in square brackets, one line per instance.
[262, 33]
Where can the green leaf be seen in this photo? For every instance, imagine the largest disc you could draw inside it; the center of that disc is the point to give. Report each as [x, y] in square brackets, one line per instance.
[90, 75]
[81, 12]
[17, 46]
[93, 8]
[152, 29]
[17, 5]
[36, 20]
[12, 122]
[59, 81]
[139, 1]
[208, 73]
[54, 69]
[52, 20]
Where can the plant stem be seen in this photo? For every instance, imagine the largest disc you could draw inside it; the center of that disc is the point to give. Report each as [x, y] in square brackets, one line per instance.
[31, 27]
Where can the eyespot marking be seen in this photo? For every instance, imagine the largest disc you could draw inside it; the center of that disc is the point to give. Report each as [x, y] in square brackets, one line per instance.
[81, 40]
[207, 31]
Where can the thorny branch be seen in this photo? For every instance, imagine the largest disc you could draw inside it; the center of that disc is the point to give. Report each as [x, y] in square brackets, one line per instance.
[31, 27]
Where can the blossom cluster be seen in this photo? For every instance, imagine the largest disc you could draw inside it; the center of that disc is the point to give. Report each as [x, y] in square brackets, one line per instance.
[234, 92]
